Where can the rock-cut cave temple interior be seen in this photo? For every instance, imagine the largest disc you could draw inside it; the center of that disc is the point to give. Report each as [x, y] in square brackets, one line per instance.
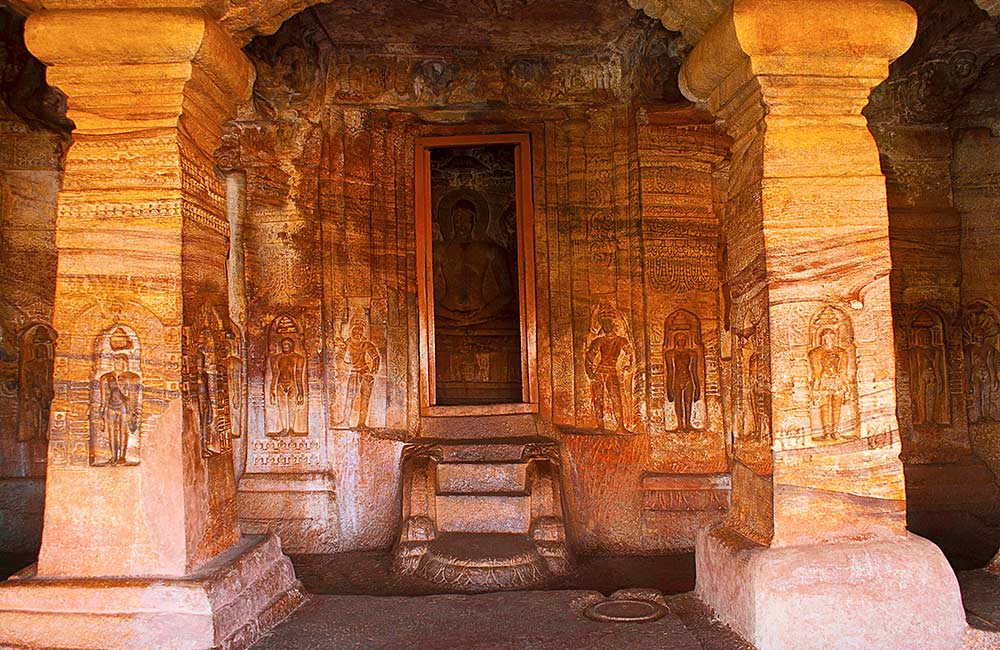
[500, 324]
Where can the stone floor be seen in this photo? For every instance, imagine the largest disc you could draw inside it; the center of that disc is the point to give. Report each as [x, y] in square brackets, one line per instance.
[525, 620]
[377, 610]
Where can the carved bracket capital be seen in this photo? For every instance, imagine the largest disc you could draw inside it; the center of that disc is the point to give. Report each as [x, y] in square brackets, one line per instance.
[124, 69]
[793, 53]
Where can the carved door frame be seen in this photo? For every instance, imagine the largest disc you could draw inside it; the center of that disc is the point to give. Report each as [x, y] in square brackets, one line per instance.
[525, 272]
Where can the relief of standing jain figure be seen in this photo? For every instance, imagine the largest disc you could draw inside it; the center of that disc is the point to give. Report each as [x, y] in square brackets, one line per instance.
[287, 390]
[116, 399]
[829, 382]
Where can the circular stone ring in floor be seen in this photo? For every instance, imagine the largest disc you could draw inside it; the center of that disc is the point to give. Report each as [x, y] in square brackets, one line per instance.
[625, 610]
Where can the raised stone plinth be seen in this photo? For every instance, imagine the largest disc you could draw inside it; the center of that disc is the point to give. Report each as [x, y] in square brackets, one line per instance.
[482, 514]
[227, 605]
[896, 593]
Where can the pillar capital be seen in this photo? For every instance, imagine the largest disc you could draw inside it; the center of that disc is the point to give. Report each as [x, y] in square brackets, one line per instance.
[835, 51]
[132, 69]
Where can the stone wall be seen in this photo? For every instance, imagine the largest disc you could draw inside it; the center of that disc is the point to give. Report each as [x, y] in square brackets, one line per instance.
[625, 231]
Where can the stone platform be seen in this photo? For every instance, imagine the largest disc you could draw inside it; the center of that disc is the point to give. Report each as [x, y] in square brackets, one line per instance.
[227, 605]
[482, 514]
[886, 594]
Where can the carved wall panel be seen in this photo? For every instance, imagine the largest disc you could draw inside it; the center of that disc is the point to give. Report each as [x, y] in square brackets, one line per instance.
[678, 152]
[330, 243]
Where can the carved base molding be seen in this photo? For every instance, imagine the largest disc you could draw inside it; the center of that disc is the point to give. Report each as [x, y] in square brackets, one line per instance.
[892, 593]
[301, 509]
[228, 605]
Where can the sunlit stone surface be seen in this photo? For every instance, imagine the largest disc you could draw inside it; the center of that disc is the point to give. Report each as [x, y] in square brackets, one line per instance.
[490, 294]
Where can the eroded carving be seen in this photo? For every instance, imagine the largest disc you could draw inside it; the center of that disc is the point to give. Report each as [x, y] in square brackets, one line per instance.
[832, 375]
[979, 333]
[35, 386]
[360, 358]
[116, 398]
[927, 370]
[609, 361]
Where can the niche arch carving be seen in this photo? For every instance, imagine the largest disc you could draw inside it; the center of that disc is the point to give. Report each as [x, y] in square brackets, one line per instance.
[35, 389]
[927, 368]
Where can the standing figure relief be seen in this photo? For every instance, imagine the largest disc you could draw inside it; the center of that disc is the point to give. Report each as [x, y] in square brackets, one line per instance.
[927, 370]
[286, 386]
[684, 367]
[362, 360]
[980, 332]
[608, 358]
[116, 399]
[832, 375]
[36, 391]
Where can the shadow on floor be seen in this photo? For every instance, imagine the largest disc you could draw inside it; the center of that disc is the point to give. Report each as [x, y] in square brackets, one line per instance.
[369, 574]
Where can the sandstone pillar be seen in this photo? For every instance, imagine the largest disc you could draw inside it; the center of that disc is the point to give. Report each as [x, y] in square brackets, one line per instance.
[141, 547]
[815, 553]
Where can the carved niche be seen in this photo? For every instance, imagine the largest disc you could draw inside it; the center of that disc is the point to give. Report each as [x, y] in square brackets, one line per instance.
[35, 390]
[833, 385]
[116, 398]
[609, 361]
[980, 329]
[684, 372]
[927, 369]
[287, 390]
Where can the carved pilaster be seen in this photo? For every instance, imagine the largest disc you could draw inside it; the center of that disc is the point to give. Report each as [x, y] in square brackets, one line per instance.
[807, 233]
[141, 420]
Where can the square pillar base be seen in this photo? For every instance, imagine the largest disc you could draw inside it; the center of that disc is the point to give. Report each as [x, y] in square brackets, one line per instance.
[875, 595]
[227, 605]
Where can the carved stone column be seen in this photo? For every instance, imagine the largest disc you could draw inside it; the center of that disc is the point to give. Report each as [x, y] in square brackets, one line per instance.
[817, 529]
[141, 546]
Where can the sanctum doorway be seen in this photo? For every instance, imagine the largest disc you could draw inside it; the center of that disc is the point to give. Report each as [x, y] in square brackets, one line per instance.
[476, 274]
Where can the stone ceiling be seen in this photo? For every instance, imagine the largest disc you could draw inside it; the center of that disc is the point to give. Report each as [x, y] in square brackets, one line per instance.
[509, 25]
[248, 18]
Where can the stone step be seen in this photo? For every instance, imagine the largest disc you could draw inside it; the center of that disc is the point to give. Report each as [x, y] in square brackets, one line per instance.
[465, 427]
[493, 450]
[483, 513]
[481, 477]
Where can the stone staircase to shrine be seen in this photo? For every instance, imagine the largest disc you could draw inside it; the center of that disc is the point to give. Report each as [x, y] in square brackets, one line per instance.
[482, 513]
